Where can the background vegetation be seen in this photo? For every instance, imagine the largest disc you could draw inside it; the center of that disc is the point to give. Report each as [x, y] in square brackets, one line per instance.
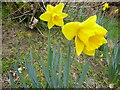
[25, 46]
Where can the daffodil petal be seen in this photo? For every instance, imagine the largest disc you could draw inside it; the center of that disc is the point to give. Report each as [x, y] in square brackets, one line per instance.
[50, 24]
[85, 34]
[79, 46]
[106, 5]
[90, 52]
[63, 15]
[87, 29]
[116, 10]
[90, 28]
[59, 22]
[103, 8]
[91, 19]
[45, 16]
[95, 42]
[58, 19]
[70, 30]
[59, 7]
[100, 30]
[50, 8]
[54, 15]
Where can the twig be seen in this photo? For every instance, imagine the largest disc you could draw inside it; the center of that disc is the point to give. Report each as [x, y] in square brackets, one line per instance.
[16, 11]
[41, 7]
[98, 5]
[23, 15]
[22, 19]
[68, 7]
[18, 16]
[34, 11]
[44, 5]
[41, 32]
[54, 34]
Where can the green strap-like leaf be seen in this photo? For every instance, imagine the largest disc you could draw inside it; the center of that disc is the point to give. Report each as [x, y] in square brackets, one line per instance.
[60, 69]
[84, 72]
[47, 76]
[31, 57]
[32, 74]
[66, 68]
[11, 80]
[118, 54]
[53, 70]
[50, 53]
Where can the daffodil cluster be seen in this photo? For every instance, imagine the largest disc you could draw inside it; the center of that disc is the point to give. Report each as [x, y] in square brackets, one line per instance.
[106, 5]
[89, 36]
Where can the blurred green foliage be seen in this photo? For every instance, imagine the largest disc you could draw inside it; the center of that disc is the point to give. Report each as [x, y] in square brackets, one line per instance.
[103, 68]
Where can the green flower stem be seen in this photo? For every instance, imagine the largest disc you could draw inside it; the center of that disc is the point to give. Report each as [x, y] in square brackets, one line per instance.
[49, 50]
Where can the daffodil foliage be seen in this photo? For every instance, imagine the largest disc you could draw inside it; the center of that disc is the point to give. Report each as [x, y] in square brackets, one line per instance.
[88, 35]
[54, 15]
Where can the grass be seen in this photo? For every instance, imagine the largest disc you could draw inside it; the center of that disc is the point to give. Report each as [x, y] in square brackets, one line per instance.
[98, 69]
[22, 46]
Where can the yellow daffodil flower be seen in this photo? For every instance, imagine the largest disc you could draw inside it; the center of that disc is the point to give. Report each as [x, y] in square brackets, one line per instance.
[88, 35]
[116, 11]
[54, 15]
[106, 5]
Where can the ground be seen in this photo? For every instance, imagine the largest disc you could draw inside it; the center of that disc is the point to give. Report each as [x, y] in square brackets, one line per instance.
[19, 40]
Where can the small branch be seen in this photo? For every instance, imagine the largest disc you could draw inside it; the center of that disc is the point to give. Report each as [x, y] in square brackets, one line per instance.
[43, 4]
[22, 19]
[98, 5]
[21, 15]
[41, 32]
[16, 11]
